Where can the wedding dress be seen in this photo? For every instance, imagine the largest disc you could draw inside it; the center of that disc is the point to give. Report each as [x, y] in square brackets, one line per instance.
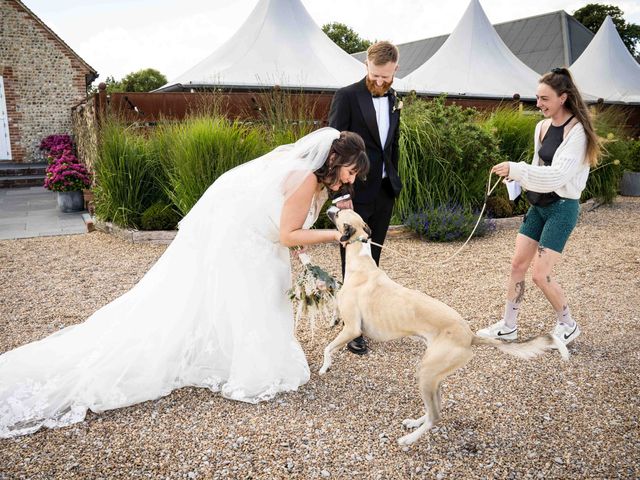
[212, 312]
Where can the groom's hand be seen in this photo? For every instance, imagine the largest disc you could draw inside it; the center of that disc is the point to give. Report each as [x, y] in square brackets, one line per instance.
[345, 204]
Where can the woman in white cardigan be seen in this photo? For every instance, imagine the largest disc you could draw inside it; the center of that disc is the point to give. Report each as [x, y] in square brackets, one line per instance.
[566, 146]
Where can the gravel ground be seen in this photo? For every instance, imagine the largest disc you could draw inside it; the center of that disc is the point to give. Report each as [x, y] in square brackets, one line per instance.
[502, 417]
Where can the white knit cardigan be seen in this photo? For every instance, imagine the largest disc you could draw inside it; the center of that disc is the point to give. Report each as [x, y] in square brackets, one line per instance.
[567, 175]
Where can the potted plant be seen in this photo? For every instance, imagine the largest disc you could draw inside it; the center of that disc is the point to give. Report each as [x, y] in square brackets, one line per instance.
[55, 145]
[68, 177]
[630, 182]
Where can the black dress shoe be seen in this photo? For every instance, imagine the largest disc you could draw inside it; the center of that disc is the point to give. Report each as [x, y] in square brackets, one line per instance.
[358, 346]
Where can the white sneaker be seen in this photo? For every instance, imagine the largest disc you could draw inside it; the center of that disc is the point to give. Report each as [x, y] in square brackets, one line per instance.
[565, 333]
[499, 330]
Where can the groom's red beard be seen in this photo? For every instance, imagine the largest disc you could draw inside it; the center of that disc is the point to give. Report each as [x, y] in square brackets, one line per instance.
[376, 90]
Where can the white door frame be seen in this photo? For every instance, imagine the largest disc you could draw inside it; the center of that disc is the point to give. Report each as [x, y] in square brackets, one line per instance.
[5, 142]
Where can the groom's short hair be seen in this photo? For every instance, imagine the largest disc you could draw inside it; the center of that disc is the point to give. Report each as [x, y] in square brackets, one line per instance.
[381, 53]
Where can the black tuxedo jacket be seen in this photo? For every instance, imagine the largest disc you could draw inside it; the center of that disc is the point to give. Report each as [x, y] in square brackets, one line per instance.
[352, 109]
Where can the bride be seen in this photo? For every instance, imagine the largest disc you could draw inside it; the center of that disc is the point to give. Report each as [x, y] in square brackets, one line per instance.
[212, 312]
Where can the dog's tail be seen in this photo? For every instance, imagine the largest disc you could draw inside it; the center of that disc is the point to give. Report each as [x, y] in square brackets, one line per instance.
[528, 349]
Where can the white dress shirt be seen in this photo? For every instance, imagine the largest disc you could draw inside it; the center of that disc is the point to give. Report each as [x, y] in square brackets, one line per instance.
[381, 105]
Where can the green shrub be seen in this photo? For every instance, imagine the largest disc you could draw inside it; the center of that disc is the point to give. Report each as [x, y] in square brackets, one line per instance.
[515, 131]
[445, 156]
[125, 176]
[285, 134]
[176, 162]
[203, 148]
[604, 179]
[286, 115]
[499, 207]
[323, 219]
[159, 216]
[159, 143]
[520, 205]
[448, 222]
[603, 184]
[633, 160]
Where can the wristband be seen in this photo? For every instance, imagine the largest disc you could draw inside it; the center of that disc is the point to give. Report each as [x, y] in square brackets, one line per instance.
[341, 199]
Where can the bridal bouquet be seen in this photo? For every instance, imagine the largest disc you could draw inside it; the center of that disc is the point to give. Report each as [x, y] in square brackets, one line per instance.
[314, 291]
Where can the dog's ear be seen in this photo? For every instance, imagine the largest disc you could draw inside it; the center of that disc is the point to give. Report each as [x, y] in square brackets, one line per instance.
[347, 233]
[367, 230]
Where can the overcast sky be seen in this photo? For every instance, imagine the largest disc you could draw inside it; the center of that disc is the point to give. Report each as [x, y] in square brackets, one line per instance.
[120, 36]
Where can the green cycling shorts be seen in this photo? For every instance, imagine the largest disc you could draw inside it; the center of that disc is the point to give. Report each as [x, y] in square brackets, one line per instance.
[551, 226]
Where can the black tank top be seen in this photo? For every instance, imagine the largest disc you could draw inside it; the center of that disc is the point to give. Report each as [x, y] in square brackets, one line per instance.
[550, 143]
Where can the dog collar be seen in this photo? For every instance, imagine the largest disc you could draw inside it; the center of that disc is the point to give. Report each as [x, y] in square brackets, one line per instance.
[359, 239]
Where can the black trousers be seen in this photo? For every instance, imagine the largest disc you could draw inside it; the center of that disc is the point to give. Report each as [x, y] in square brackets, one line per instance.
[377, 215]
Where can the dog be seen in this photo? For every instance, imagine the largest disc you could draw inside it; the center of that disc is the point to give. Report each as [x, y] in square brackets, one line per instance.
[370, 302]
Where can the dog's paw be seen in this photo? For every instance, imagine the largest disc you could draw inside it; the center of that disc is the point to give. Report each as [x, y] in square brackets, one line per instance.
[323, 370]
[408, 439]
[413, 422]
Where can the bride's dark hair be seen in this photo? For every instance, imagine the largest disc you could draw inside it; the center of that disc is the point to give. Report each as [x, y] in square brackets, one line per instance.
[348, 150]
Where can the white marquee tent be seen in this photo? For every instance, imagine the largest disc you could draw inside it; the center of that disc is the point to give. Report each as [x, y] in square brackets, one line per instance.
[606, 68]
[279, 44]
[475, 62]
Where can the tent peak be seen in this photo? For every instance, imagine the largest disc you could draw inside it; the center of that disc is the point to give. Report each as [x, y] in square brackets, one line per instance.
[474, 61]
[606, 69]
[278, 44]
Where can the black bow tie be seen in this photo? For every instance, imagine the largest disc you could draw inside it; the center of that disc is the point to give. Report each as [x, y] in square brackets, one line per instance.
[387, 94]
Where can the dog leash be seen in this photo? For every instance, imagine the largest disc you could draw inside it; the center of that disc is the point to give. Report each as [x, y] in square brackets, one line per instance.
[489, 191]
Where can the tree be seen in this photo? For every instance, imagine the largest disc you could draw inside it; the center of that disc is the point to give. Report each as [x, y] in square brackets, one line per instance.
[143, 80]
[112, 86]
[593, 14]
[345, 37]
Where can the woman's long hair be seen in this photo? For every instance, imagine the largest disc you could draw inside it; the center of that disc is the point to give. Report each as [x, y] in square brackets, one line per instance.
[348, 150]
[561, 81]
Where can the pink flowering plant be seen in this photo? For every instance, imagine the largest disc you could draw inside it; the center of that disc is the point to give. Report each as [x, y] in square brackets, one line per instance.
[66, 173]
[56, 145]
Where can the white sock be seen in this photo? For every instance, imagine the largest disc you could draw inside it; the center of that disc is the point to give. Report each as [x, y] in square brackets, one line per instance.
[511, 310]
[564, 316]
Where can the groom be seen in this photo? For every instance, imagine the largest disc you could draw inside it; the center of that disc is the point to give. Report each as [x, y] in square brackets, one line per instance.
[371, 109]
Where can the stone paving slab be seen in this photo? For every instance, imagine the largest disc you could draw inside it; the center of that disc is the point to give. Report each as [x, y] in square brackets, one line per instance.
[33, 212]
[31, 192]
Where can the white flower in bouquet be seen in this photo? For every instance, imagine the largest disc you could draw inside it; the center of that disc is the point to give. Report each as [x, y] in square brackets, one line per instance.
[314, 292]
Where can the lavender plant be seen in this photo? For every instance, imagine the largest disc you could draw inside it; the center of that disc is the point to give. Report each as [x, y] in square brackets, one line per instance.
[448, 222]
